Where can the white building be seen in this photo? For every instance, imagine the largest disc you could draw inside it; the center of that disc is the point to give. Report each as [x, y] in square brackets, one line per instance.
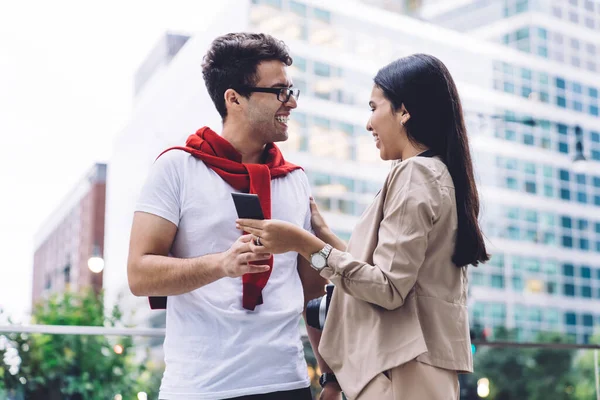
[543, 214]
[544, 275]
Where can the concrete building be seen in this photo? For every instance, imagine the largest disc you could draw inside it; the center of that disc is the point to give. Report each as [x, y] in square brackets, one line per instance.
[70, 237]
[540, 215]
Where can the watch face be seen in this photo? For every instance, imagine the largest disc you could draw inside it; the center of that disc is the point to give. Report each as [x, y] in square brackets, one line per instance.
[317, 260]
[322, 380]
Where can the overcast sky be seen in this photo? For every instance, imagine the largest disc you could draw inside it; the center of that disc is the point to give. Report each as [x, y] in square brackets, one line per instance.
[66, 78]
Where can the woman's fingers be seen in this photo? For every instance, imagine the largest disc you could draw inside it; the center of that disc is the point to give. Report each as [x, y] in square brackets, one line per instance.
[252, 231]
[252, 223]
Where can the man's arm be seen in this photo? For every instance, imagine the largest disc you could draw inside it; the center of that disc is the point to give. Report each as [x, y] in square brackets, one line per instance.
[313, 285]
[152, 273]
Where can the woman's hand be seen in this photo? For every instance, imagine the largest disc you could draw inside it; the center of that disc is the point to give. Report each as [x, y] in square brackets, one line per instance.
[275, 236]
[331, 391]
[316, 219]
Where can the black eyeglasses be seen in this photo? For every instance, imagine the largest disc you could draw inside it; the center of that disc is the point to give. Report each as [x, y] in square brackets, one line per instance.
[283, 94]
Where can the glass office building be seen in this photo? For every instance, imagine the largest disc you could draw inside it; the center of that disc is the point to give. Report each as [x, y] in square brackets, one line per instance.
[543, 215]
[540, 212]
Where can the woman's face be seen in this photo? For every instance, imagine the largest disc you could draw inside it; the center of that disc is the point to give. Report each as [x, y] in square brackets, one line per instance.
[386, 126]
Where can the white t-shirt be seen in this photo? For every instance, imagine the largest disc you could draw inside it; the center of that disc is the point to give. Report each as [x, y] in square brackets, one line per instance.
[214, 348]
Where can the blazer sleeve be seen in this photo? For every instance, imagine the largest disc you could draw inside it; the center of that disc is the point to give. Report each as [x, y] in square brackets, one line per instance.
[400, 251]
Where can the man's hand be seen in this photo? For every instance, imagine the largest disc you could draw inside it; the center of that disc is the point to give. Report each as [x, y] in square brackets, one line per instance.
[331, 391]
[235, 261]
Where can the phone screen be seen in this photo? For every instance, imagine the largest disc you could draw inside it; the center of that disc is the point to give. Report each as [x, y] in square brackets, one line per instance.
[247, 206]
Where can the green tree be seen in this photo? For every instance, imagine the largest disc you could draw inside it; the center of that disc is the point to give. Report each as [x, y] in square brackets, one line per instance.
[585, 371]
[77, 366]
[526, 373]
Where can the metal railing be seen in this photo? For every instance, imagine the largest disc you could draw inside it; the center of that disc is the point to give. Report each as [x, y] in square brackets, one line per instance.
[159, 332]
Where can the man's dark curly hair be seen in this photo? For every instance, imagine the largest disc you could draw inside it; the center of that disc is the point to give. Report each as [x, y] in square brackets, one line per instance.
[232, 61]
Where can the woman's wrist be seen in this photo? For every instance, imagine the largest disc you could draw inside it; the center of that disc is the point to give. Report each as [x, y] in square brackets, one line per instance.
[309, 244]
[334, 386]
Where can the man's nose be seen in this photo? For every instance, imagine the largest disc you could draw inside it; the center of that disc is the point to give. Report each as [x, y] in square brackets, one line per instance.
[292, 102]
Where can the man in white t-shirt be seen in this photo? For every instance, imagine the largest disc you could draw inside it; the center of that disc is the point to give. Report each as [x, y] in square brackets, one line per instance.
[232, 315]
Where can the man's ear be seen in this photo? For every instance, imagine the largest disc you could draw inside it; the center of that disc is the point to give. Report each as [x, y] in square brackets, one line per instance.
[232, 98]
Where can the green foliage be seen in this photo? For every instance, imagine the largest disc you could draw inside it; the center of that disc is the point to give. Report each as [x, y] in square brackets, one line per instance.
[78, 366]
[527, 373]
[584, 370]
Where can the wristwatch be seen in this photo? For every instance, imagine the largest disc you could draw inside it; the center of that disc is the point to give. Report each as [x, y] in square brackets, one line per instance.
[326, 378]
[319, 260]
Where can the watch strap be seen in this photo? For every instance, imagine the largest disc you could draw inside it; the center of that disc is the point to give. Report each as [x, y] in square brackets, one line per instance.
[327, 377]
[325, 251]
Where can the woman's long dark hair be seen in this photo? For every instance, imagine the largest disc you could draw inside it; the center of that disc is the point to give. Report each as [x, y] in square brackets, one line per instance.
[423, 84]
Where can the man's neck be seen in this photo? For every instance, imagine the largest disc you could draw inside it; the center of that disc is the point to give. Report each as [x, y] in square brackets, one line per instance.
[239, 138]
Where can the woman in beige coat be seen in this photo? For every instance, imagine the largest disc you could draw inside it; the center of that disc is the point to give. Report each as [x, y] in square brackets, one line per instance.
[397, 326]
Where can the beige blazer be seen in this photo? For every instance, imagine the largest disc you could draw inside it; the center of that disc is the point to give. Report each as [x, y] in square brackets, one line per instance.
[398, 296]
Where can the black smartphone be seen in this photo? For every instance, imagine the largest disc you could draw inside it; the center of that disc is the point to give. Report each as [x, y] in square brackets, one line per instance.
[247, 206]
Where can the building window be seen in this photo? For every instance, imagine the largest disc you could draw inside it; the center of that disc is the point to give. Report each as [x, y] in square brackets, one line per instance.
[570, 319]
[568, 270]
[530, 187]
[300, 63]
[569, 290]
[67, 273]
[517, 283]
[477, 279]
[322, 15]
[589, 5]
[567, 241]
[322, 69]
[510, 135]
[584, 244]
[543, 51]
[498, 281]
[299, 9]
[272, 3]
[586, 291]
[585, 272]
[521, 6]
[562, 129]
